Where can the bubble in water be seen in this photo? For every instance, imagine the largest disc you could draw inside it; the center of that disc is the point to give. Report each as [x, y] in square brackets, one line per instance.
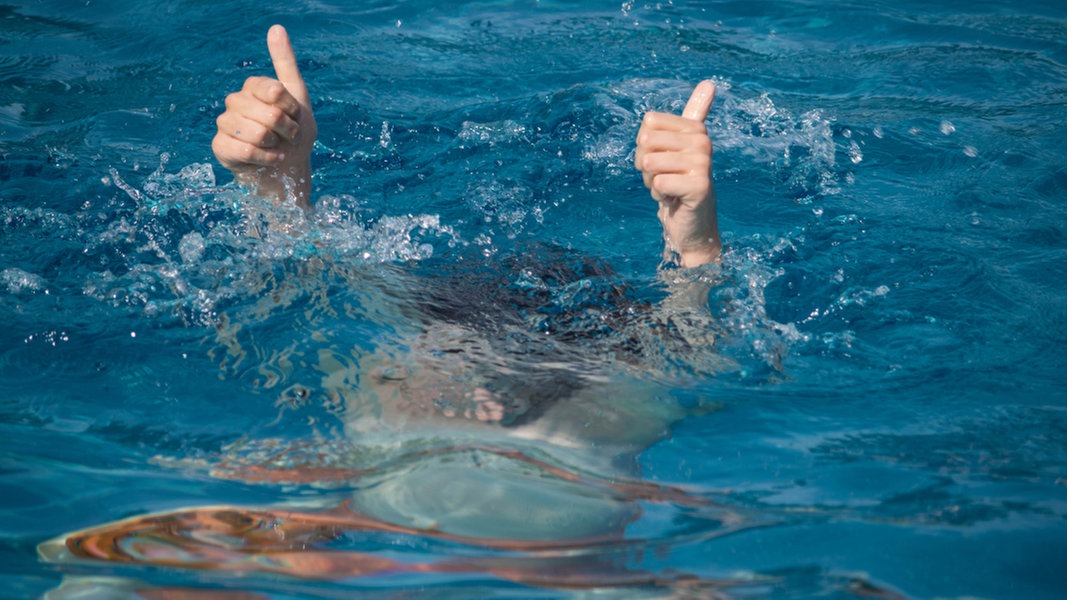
[501, 203]
[860, 297]
[191, 247]
[386, 136]
[854, 153]
[491, 133]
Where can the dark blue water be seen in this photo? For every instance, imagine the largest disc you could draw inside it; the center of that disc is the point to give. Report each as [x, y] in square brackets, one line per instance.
[880, 399]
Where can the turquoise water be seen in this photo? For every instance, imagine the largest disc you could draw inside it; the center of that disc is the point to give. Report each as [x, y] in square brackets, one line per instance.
[871, 404]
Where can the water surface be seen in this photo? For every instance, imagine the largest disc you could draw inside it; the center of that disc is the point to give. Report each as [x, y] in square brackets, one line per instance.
[877, 406]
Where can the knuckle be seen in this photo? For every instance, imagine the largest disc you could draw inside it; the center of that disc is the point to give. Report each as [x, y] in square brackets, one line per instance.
[264, 138]
[274, 115]
[232, 99]
[648, 163]
[254, 131]
[246, 152]
[274, 90]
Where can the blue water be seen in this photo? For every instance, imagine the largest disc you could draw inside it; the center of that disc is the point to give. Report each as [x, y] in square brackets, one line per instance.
[879, 401]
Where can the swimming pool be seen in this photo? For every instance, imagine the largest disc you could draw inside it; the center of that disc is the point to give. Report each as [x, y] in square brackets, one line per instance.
[877, 408]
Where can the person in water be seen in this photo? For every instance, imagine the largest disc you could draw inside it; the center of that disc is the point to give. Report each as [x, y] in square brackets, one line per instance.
[451, 368]
[266, 134]
[550, 488]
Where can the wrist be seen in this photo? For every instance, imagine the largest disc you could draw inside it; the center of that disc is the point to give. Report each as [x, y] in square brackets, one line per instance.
[706, 253]
[692, 232]
[290, 180]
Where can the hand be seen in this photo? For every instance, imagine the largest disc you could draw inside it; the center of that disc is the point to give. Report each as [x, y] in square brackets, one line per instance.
[674, 157]
[268, 129]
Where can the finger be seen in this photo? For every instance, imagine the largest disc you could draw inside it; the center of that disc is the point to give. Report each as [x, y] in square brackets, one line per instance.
[673, 141]
[236, 154]
[676, 162]
[700, 101]
[271, 91]
[639, 157]
[639, 162]
[281, 54]
[657, 121]
[244, 106]
[678, 186]
[247, 130]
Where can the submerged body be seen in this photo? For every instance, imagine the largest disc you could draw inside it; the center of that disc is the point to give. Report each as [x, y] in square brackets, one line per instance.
[891, 296]
[454, 383]
[481, 418]
[499, 390]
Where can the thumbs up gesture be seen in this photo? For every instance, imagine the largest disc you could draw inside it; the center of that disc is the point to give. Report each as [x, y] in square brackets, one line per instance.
[266, 134]
[674, 158]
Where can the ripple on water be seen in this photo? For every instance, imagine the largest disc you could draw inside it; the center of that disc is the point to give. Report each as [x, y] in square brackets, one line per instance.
[901, 296]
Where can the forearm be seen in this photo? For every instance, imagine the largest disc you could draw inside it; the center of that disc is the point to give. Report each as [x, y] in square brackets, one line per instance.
[691, 234]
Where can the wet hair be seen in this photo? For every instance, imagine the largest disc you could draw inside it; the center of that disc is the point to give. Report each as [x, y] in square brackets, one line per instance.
[544, 288]
[541, 305]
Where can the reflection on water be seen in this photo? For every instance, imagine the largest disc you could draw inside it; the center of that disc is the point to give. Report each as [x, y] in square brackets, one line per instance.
[312, 545]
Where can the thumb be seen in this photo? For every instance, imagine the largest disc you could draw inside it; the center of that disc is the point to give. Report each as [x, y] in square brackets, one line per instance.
[281, 54]
[700, 101]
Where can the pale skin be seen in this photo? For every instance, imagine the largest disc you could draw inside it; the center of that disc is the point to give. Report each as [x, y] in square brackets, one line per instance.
[674, 158]
[266, 134]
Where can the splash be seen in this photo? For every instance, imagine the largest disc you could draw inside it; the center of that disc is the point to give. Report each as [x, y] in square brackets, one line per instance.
[188, 247]
[742, 308]
[802, 147]
[17, 281]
